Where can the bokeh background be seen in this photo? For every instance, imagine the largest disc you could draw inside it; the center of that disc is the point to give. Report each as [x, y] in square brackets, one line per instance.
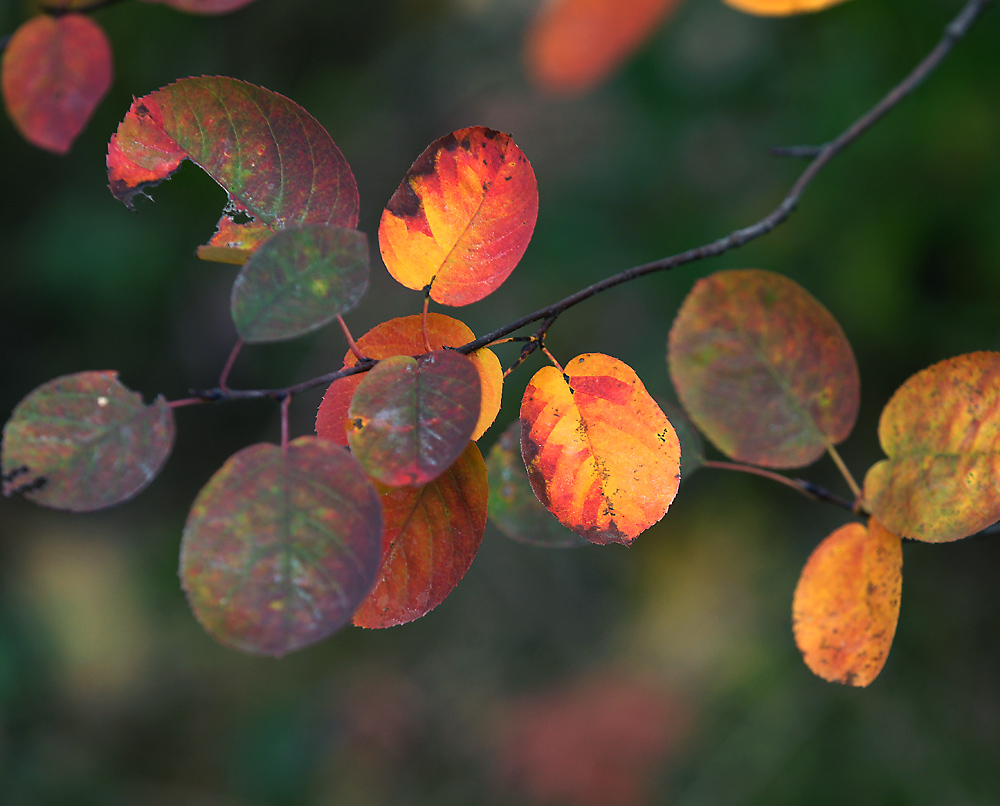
[660, 674]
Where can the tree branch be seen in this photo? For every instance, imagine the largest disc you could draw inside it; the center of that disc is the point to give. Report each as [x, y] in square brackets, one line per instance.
[819, 157]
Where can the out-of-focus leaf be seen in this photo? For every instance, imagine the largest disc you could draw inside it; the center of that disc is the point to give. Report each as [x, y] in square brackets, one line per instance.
[404, 336]
[600, 453]
[84, 442]
[298, 281]
[410, 418]
[281, 547]
[573, 45]
[780, 8]
[462, 216]
[204, 6]
[276, 162]
[941, 432]
[513, 506]
[763, 369]
[846, 603]
[430, 538]
[55, 71]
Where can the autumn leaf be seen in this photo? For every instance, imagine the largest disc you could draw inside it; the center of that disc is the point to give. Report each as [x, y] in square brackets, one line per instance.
[275, 161]
[204, 6]
[404, 336]
[600, 453]
[410, 418]
[84, 442]
[846, 603]
[573, 45]
[429, 540]
[298, 281]
[763, 369]
[462, 216]
[280, 547]
[941, 432]
[55, 70]
[513, 506]
[780, 8]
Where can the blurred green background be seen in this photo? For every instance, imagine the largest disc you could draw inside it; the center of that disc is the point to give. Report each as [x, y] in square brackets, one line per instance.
[660, 674]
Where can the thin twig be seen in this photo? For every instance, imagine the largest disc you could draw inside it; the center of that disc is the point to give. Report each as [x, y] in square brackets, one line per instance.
[806, 488]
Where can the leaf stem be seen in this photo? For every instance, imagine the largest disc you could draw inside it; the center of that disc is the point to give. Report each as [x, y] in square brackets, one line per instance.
[224, 375]
[806, 488]
[351, 344]
[423, 321]
[830, 449]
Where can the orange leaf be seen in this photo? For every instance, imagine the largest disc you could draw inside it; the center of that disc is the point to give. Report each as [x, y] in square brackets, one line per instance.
[430, 536]
[573, 45]
[55, 72]
[462, 216]
[763, 369]
[404, 336]
[600, 453]
[846, 604]
[780, 8]
[941, 432]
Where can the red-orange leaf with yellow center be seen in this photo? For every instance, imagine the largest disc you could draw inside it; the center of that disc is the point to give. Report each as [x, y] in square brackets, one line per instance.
[462, 216]
[573, 45]
[941, 432]
[276, 162]
[846, 603]
[281, 546]
[600, 453]
[410, 418]
[404, 336]
[430, 538]
[780, 8]
[763, 368]
[55, 72]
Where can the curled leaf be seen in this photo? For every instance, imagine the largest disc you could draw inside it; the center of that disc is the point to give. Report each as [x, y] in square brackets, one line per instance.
[941, 432]
[55, 71]
[600, 454]
[430, 538]
[462, 216]
[276, 162]
[84, 442]
[404, 336]
[410, 418]
[513, 506]
[846, 603]
[280, 547]
[763, 369]
[298, 281]
[573, 45]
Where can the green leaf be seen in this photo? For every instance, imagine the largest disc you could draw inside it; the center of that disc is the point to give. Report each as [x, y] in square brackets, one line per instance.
[298, 281]
[281, 547]
[410, 418]
[513, 506]
[763, 369]
[84, 442]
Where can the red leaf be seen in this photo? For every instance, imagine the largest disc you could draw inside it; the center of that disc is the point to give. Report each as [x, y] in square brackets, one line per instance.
[405, 336]
[276, 162]
[281, 546]
[204, 6]
[462, 216]
[410, 418]
[84, 442]
[574, 44]
[430, 538]
[55, 72]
